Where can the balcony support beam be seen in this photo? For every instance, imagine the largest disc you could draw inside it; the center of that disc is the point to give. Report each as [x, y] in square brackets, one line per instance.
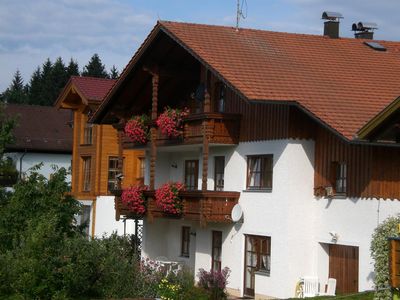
[205, 144]
[153, 129]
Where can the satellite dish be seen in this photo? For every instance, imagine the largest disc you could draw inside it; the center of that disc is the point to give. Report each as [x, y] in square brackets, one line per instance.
[236, 213]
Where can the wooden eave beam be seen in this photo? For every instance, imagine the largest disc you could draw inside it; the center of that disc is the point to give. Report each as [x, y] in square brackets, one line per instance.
[378, 119]
[171, 72]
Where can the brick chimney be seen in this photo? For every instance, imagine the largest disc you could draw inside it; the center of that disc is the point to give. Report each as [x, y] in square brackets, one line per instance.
[364, 30]
[331, 25]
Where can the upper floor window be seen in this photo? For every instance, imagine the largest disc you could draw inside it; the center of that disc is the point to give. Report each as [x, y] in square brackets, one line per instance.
[88, 134]
[339, 177]
[113, 171]
[141, 168]
[219, 172]
[86, 168]
[259, 172]
[220, 97]
[191, 174]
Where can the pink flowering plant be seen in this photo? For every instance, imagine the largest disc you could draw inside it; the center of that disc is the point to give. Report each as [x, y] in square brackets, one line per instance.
[167, 198]
[170, 121]
[134, 199]
[214, 282]
[137, 130]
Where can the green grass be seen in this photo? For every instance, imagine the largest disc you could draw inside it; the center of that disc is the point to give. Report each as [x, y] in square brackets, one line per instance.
[359, 296]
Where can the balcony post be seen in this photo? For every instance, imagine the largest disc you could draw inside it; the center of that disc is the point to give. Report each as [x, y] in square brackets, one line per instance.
[153, 129]
[205, 144]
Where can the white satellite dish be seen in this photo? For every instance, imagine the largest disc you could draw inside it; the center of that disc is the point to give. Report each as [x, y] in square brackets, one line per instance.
[236, 213]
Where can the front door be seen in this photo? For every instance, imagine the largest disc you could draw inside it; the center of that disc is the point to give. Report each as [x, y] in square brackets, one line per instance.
[343, 265]
[257, 259]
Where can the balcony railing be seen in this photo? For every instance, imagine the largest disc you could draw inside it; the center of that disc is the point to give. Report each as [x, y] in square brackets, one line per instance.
[220, 128]
[202, 206]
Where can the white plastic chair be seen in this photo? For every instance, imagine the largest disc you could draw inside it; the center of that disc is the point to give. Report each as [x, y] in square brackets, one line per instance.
[331, 289]
[310, 286]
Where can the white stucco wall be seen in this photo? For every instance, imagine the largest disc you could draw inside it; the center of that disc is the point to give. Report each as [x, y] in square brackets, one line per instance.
[105, 223]
[297, 222]
[49, 160]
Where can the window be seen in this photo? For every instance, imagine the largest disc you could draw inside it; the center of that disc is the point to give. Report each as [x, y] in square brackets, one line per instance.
[216, 250]
[83, 218]
[185, 241]
[88, 134]
[191, 174]
[141, 169]
[257, 259]
[221, 95]
[87, 160]
[339, 177]
[219, 169]
[113, 171]
[259, 172]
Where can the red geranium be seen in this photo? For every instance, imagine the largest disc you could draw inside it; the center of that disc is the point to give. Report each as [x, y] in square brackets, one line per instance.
[137, 130]
[167, 197]
[133, 198]
[170, 121]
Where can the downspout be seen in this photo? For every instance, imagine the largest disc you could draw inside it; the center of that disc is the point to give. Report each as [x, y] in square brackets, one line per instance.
[20, 165]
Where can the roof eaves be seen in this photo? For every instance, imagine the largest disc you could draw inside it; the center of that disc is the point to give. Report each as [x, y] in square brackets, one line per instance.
[100, 111]
[63, 94]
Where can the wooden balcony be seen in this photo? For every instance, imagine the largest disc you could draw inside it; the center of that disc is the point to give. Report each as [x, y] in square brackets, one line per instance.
[220, 128]
[202, 206]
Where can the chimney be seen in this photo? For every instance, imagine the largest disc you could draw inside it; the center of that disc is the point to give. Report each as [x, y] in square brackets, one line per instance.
[331, 25]
[364, 30]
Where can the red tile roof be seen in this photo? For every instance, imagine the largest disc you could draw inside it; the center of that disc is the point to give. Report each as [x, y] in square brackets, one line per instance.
[40, 128]
[342, 82]
[92, 88]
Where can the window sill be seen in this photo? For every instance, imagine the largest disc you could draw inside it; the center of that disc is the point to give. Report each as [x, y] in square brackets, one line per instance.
[263, 273]
[86, 144]
[339, 196]
[184, 256]
[269, 190]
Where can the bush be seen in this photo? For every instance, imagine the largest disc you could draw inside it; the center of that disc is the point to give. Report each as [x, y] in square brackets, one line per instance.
[380, 254]
[214, 282]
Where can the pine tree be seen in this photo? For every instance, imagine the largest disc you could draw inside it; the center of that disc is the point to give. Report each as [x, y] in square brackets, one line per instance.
[59, 78]
[73, 68]
[35, 87]
[47, 84]
[16, 92]
[114, 72]
[95, 68]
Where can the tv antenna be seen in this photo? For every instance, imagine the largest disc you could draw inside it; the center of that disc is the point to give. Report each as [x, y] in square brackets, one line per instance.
[239, 12]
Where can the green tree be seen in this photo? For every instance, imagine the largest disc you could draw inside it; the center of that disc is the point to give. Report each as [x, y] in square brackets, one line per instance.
[380, 254]
[35, 87]
[95, 68]
[7, 124]
[47, 89]
[16, 92]
[59, 78]
[72, 68]
[114, 72]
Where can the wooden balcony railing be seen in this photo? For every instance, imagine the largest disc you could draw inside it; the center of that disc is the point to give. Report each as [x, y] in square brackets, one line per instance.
[202, 206]
[221, 128]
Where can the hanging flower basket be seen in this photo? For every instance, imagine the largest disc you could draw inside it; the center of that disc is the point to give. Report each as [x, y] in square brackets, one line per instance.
[133, 198]
[137, 130]
[170, 121]
[167, 198]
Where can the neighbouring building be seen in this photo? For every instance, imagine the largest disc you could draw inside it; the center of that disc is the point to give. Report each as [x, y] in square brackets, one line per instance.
[95, 157]
[301, 130]
[42, 135]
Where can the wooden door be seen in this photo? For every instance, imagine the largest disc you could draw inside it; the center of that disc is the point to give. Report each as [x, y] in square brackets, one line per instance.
[191, 174]
[343, 265]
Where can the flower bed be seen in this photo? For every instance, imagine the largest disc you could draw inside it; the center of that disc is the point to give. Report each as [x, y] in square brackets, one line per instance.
[137, 130]
[170, 121]
[134, 199]
[167, 199]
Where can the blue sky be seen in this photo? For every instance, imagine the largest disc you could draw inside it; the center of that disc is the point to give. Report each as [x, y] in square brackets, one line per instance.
[31, 31]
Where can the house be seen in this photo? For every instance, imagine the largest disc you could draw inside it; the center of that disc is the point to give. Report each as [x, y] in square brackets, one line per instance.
[42, 135]
[300, 130]
[95, 157]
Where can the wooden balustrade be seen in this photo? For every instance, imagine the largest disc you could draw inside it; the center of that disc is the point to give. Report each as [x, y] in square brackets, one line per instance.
[221, 128]
[202, 206]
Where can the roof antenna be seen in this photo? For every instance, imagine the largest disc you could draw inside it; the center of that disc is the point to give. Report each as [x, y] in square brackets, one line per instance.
[239, 12]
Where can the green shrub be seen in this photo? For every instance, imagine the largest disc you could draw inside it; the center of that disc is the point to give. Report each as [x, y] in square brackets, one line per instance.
[380, 254]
